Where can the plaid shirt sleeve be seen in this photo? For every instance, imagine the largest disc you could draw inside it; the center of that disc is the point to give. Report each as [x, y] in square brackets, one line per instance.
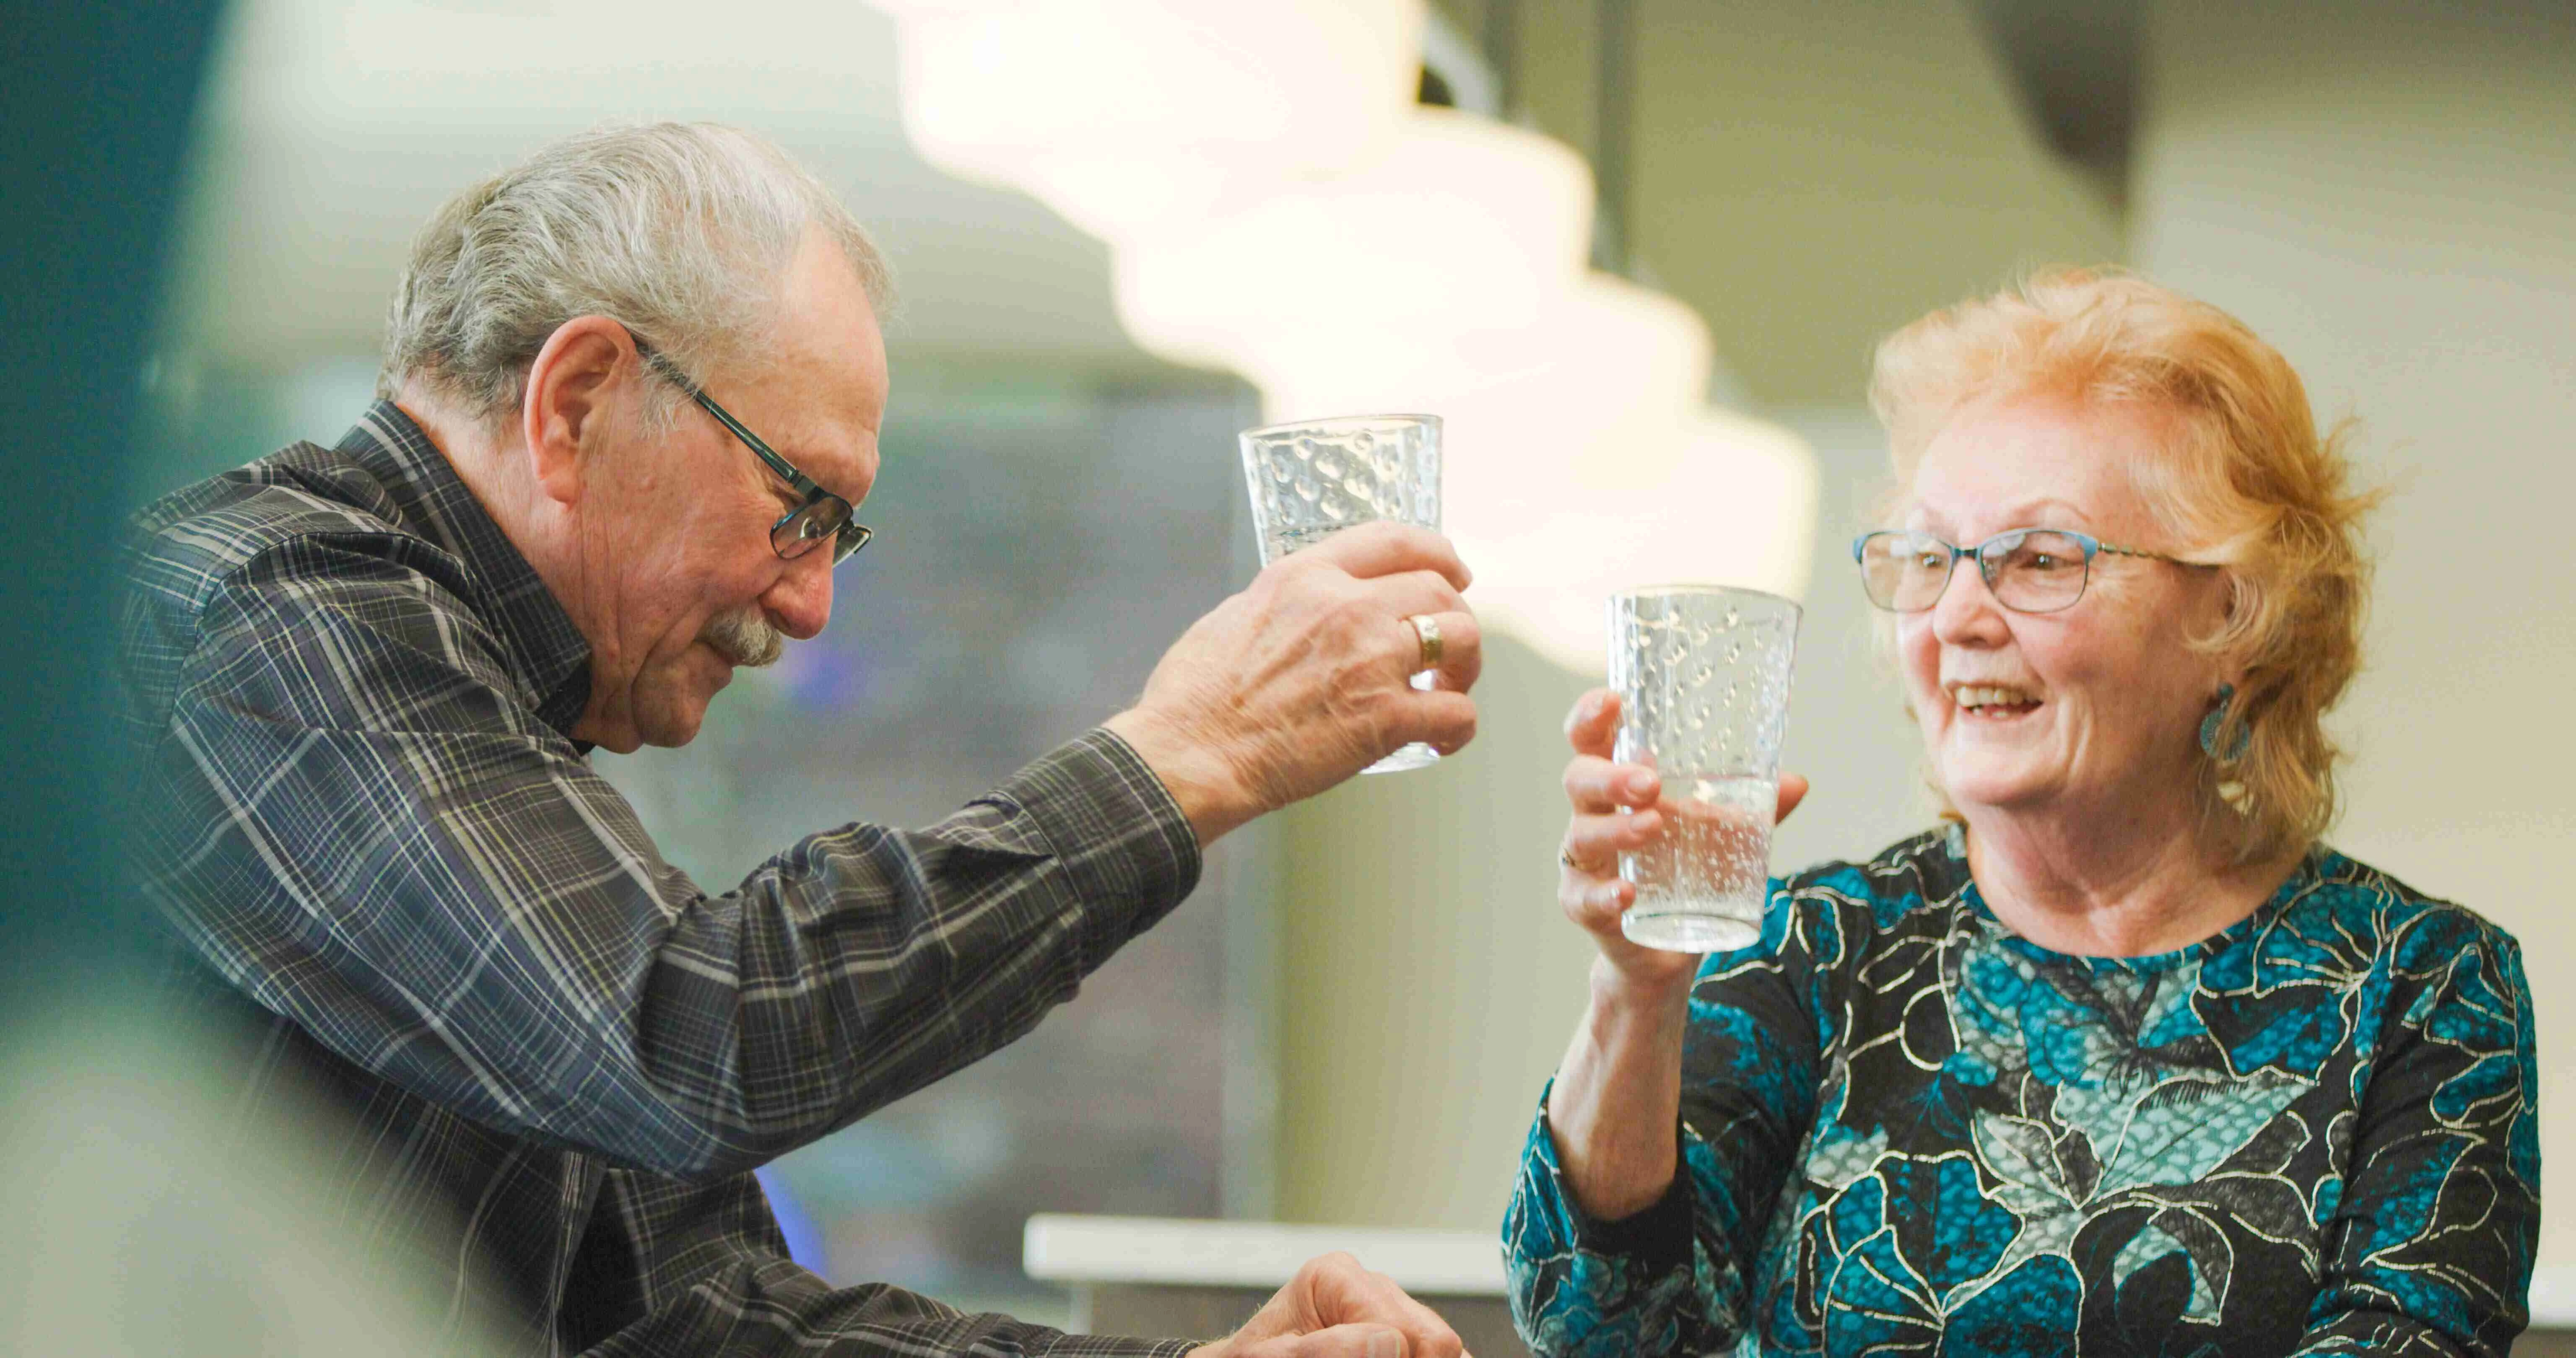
[713, 1277]
[364, 826]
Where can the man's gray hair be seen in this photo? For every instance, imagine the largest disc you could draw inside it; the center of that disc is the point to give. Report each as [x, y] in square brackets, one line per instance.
[681, 231]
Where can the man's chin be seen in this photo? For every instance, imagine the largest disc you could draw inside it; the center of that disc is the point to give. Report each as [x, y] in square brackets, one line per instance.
[675, 723]
[675, 732]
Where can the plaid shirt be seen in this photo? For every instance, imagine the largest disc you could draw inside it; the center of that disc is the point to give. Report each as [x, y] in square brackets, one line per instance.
[558, 1057]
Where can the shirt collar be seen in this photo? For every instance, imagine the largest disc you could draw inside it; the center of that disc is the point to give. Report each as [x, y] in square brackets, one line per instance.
[549, 651]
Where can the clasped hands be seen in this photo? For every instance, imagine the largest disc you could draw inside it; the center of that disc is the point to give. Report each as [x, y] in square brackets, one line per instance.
[1334, 1308]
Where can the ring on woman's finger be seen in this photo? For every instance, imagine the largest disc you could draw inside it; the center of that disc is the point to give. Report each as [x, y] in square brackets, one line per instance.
[1565, 855]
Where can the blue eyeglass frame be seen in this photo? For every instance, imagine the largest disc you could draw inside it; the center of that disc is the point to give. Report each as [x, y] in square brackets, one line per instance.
[2090, 544]
[851, 534]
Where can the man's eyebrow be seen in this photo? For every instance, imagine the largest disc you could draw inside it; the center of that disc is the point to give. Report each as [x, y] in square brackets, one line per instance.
[779, 480]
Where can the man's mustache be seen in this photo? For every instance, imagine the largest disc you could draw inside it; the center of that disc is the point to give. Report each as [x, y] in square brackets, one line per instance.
[745, 638]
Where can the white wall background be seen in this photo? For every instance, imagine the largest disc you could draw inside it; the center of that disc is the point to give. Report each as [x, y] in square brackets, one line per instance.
[2387, 192]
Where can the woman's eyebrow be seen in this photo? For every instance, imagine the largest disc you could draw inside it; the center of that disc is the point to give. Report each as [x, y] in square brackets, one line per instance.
[2026, 514]
[2030, 510]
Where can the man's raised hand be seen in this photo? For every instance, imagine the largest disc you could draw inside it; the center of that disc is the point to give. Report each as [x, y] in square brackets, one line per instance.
[1300, 681]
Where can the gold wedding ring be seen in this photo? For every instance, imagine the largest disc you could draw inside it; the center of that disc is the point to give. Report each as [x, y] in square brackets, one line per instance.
[1566, 856]
[1426, 633]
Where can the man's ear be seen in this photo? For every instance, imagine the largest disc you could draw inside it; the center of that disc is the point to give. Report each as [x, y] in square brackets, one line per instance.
[572, 382]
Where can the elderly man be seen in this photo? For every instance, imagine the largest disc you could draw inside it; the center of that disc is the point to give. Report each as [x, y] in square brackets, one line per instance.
[632, 395]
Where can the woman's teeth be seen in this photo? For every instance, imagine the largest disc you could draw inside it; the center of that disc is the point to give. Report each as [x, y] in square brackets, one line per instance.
[1993, 699]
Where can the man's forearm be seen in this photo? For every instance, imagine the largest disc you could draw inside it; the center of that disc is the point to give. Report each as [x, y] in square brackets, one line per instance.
[499, 936]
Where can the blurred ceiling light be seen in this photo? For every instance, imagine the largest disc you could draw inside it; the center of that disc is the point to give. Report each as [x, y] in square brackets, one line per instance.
[1735, 505]
[1449, 225]
[1132, 114]
[1277, 205]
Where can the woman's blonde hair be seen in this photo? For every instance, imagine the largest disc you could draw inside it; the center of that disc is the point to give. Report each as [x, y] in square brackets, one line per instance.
[2248, 483]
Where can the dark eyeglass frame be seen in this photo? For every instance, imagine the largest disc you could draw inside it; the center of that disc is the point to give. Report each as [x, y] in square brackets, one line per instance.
[801, 530]
[2000, 544]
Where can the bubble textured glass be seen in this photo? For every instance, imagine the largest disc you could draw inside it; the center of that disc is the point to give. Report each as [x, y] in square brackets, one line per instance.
[1314, 478]
[1702, 673]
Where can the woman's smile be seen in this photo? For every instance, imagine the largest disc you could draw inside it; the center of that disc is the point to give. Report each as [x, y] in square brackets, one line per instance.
[1993, 702]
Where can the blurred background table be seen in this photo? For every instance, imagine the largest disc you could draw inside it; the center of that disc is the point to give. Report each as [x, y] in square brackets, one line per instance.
[1168, 1276]
[2553, 1312]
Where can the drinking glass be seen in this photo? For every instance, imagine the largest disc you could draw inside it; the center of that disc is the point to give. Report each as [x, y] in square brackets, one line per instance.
[1702, 673]
[1314, 478]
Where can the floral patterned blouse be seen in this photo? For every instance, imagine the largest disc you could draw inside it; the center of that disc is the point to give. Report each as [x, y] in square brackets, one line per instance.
[1906, 1130]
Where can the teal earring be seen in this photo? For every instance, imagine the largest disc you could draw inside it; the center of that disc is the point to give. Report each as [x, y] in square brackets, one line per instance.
[2209, 729]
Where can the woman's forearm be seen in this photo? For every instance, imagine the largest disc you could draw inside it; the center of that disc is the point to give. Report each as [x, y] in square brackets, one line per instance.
[1616, 1105]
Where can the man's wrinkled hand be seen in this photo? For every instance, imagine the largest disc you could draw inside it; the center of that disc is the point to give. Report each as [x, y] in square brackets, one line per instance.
[1301, 680]
[1334, 1308]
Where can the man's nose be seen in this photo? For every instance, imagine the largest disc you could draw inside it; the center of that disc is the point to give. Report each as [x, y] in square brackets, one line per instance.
[801, 602]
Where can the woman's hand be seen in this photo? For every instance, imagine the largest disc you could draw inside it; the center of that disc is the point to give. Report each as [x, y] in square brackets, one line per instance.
[1617, 1095]
[1589, 887]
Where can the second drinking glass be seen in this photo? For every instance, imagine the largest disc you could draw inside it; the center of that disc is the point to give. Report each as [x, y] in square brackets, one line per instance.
[1702, 674]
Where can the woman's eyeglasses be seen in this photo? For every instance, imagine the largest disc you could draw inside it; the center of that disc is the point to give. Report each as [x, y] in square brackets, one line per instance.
[2030, 570]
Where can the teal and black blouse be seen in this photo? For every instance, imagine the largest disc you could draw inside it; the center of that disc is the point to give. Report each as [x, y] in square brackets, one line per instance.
[1906, 1130]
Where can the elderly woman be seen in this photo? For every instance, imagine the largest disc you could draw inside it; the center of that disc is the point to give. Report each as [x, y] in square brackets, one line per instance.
[2121, 1058]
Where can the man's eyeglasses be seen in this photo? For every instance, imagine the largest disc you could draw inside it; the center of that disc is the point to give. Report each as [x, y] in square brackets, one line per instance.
[2030, 570]
[822, 515]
